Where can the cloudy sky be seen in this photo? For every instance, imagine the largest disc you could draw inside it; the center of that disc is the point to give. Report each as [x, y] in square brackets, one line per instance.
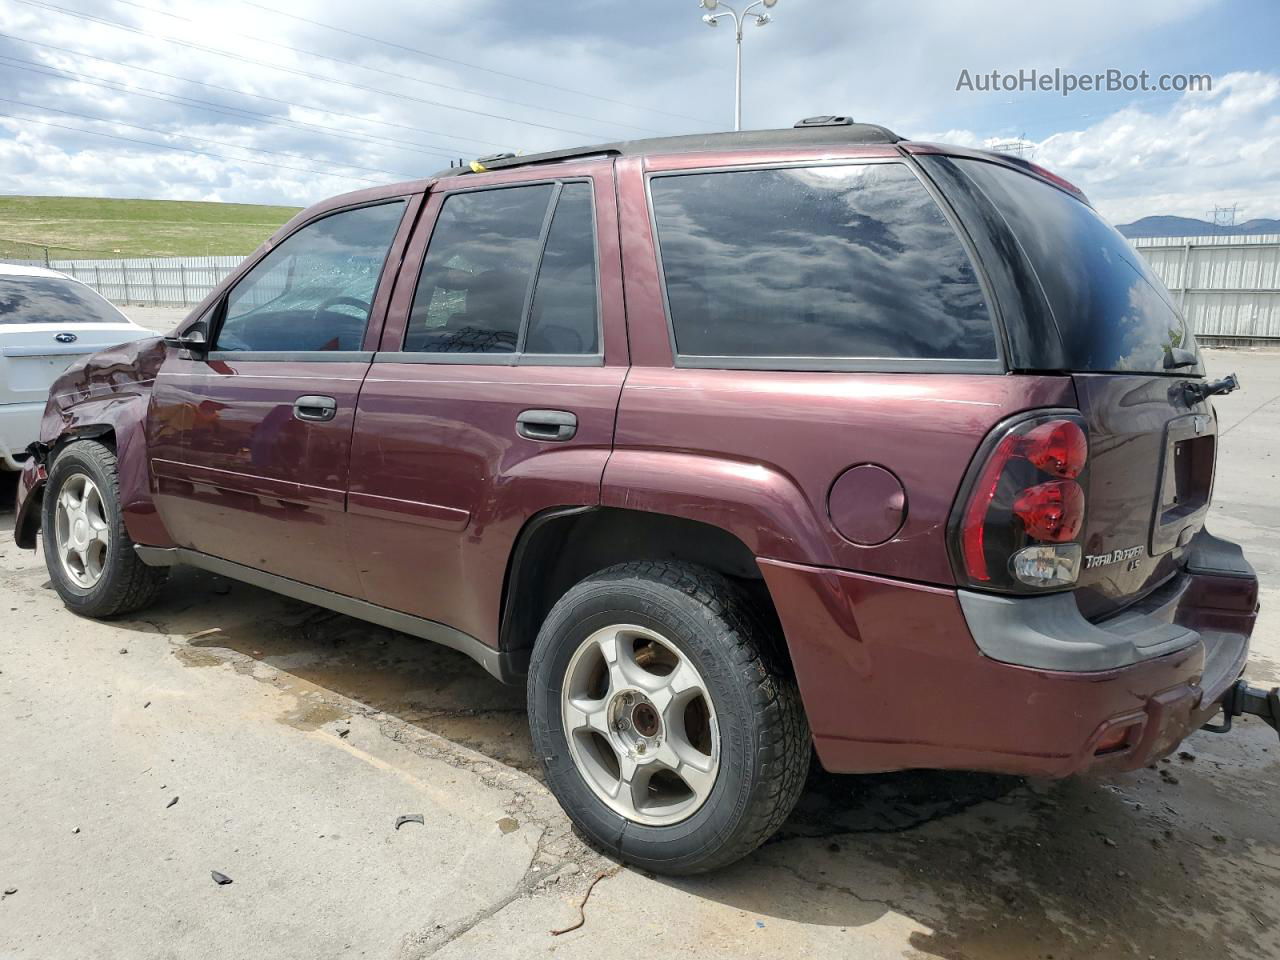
[275, 101]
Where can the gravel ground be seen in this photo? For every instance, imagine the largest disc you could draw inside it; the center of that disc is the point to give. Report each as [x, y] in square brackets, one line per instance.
[293, 738]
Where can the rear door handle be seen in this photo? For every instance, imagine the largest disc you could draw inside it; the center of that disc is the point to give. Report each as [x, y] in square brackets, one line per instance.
[556, 425]
[315, 408]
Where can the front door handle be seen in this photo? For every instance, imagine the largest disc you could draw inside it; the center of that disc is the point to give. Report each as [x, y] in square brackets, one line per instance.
[546, 425]
[315, 408]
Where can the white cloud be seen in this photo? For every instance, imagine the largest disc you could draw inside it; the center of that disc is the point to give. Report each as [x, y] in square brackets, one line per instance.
[1203, 150]
[892, 61]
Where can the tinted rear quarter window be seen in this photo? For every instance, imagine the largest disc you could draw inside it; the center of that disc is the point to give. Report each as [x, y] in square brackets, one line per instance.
[839, 261]
[52, 300]
[1112, 313]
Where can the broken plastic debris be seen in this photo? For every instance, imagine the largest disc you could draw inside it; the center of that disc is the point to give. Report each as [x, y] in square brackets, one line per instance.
[221, 879]
[410, 818]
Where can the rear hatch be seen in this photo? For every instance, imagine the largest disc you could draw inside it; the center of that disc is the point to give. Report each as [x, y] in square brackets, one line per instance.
[46, 322]
[32, 356]
[1100, 314]
[1151, 460]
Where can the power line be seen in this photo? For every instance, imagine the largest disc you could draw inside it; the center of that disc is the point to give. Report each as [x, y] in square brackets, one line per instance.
[395, 75]
[168, 146]
[238, 113]
[469, 66]
[302, 73]
[216, 143]
[445, 151]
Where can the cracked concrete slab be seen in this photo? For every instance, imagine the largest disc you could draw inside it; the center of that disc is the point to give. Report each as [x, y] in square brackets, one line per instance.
[294, 737]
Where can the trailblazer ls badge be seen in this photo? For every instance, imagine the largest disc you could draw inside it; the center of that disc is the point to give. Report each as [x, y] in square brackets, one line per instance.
[1131, 554]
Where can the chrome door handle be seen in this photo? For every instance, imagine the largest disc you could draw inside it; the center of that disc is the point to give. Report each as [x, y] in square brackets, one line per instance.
[553, 425]
[315, 408]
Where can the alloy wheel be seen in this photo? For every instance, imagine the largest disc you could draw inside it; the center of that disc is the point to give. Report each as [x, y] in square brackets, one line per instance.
[81, 530]
[641, 725]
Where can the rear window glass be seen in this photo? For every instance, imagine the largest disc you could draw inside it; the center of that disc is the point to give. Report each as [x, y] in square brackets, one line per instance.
[1112, 312]
[848, 261]
[52, 300]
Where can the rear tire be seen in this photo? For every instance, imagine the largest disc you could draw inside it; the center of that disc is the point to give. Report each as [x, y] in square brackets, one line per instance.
[87, 549]
[681, 782]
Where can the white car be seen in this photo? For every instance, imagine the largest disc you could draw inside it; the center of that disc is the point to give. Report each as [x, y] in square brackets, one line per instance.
[47, 320]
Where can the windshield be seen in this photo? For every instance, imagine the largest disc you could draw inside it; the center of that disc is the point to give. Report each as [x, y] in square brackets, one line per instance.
[53, 300]
[1113, 314]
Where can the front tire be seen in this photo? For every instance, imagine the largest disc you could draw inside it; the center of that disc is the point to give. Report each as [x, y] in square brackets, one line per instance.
[665, 728]
[87, 549]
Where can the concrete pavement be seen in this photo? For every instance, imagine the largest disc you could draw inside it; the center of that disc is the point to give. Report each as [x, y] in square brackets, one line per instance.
[293, 738]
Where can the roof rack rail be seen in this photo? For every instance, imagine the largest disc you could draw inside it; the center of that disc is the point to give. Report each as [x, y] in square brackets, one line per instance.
[823, 122]
[825, 130]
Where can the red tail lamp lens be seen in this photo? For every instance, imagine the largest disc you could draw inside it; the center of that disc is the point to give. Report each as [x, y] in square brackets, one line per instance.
[1051, 512]
[1058, 447]
[973, 537]
[1028, 492]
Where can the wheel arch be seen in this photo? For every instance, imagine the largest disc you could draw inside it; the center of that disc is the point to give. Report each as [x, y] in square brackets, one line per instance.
[561, 546]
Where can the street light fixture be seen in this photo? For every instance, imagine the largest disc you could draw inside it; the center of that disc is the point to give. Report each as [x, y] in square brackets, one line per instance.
[712, 19]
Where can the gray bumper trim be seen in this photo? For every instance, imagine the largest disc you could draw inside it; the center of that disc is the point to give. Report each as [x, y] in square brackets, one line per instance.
[1049, 632]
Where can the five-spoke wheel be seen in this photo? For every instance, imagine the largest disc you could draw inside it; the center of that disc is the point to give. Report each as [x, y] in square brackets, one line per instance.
[666, 725]
[81, 530]
[87, 546]
[640, 724]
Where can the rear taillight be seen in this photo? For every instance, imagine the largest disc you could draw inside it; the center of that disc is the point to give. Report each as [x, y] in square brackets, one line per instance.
[1020, 524]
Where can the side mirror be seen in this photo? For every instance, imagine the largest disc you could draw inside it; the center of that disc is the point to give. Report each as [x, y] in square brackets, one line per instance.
[192, 341]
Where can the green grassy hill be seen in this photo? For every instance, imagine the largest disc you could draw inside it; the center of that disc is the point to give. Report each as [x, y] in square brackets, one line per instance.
[99, 227]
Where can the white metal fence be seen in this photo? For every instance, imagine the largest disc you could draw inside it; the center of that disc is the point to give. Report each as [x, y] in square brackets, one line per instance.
[1228, 287]
[159, 281]
[147, 281]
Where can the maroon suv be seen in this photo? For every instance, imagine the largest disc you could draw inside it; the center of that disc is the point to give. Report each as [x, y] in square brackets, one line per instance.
[736, 446]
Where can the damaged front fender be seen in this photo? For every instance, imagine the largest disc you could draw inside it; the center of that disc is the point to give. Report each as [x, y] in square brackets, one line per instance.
[31, 483]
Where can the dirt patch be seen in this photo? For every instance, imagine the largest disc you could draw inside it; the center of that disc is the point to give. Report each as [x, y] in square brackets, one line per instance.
[312, 715]
[197, 657]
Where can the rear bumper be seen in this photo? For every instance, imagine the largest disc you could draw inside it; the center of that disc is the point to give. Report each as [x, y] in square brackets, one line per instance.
[892, 677]
[19, 426]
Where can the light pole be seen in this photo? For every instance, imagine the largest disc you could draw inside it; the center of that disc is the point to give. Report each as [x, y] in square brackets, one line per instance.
[712, 19]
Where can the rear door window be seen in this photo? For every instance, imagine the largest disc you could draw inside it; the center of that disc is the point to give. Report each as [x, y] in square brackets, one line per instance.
[509, 270]
[820, 263]
[1112, 313]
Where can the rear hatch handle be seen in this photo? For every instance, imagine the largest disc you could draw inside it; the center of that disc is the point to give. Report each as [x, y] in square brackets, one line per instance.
[1242, 698]
[1203, 391]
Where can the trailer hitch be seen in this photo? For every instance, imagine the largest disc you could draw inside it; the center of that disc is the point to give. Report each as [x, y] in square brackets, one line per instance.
[1241, 699]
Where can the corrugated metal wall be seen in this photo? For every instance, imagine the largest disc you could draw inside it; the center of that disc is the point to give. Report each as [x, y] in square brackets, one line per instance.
[1228, 287]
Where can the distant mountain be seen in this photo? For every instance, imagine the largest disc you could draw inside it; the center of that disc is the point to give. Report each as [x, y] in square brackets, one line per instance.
[1191, 227]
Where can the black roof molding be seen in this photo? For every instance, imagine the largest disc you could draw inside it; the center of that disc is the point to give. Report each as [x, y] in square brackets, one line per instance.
[839, 134]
